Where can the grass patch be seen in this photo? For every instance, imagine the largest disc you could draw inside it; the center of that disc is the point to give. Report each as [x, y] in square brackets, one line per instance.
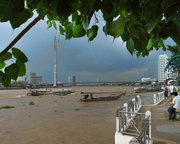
[7, 107]
[29, 115]
[55, 110]
[76, 109]
[31, 103]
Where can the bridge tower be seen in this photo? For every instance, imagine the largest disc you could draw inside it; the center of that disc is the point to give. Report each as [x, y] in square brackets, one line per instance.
[55, 62]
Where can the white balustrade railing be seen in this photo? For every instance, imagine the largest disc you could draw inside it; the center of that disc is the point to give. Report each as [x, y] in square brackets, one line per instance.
[126, 116]
[158, 98]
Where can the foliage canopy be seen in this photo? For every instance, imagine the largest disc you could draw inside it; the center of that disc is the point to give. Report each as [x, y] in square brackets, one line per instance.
[142, 24]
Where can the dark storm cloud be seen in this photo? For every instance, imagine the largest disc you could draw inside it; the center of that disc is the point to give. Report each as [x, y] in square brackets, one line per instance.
[103, 58]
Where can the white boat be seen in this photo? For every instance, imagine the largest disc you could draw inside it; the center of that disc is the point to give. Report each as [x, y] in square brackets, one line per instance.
[45, 91]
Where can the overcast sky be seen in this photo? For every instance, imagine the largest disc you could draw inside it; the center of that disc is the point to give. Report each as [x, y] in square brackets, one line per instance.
[103, 59]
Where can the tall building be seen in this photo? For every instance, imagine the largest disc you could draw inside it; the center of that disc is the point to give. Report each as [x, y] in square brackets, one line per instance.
[35, 79]
[162, 63]
[71, 79]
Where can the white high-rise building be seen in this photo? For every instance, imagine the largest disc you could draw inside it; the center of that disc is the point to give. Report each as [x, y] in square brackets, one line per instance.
[162, 63]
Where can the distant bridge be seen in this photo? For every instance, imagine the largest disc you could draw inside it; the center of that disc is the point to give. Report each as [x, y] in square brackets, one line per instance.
[95, 84]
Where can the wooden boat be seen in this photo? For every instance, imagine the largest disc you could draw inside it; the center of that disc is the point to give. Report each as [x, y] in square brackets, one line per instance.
[105, 98]
[142, 90]
[45, 91]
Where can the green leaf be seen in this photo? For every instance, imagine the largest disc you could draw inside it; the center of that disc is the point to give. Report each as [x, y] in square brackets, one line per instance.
[49, 24]
[1, 76]
[2, 65]
[130, 46]
[151, 43]
[85, 22]
[62, 30]
[68, 34]
[19, 55]
[92, 32]
[115, 28]
[20, 17]
[32, 4]
[12, 71]
[22, 68]
[140, 44]
[174, 28]
[108, 10]
[6, 80]
[153, 17]
[5, 57]
[125, 36]
[54, 24]
[41, 10]
[74, 16]
[5, 11]
[78, 31]
[63, 8]
[78, 20]
[137, 53]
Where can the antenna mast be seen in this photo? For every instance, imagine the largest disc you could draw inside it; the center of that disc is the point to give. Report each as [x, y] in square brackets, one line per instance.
[55, 62]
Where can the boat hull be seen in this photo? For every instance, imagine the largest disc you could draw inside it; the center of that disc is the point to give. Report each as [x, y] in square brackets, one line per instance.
[109, 98]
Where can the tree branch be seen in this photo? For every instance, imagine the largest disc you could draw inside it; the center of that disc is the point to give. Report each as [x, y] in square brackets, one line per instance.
[19, 36]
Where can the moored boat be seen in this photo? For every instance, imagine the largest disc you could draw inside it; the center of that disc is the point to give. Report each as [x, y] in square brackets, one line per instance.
[40, 92]
[62, 92]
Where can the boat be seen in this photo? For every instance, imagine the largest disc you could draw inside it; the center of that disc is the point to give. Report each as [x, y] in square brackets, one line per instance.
[62, 92]
[39, 92]
[105, 98]
[140, 90]
[45, 91]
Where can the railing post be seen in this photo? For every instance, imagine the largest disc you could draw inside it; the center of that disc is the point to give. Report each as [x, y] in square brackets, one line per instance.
[155, 99]
[139, 102]
[136, 103]
[134, 106]
[118, 120]
[148, 115]
[126, 114]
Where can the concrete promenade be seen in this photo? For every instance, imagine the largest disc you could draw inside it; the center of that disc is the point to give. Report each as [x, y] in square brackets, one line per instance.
[164, 131]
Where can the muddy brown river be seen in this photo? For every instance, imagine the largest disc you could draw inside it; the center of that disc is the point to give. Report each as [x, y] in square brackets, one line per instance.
[59, 119]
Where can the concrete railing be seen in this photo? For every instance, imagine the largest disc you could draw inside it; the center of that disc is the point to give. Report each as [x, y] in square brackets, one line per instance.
[152, 99]
[128, 117]
[158, 98]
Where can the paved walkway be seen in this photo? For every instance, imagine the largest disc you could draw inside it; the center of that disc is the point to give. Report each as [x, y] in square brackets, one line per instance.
[164, 131]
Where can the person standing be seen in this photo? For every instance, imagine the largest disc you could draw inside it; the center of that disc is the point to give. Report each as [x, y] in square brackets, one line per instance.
[165, 92]
[171, 88]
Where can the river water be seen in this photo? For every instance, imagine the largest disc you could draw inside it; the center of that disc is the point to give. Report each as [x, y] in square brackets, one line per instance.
[59, 119]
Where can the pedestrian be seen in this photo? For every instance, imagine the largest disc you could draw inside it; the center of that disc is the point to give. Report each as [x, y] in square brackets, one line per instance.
[174, 105]
[171, 88]
[165, 92]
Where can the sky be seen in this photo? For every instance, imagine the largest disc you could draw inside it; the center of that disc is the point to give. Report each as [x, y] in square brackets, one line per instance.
[103, 59]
